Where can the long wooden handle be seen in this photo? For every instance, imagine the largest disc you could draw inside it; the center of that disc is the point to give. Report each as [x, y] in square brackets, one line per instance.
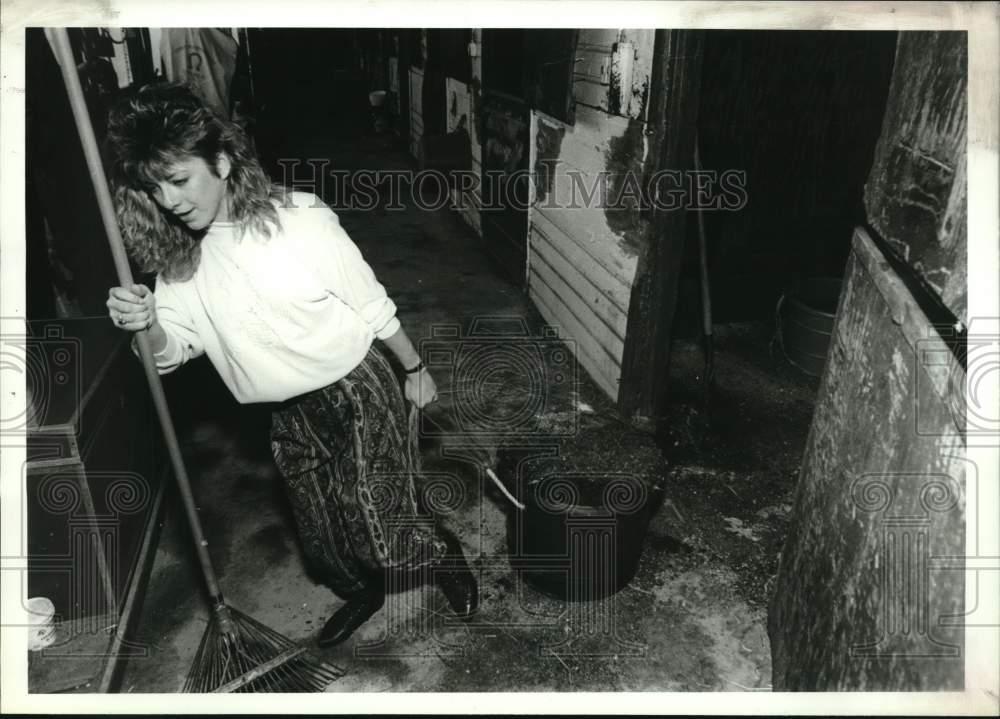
[706, 294]
[60, 42]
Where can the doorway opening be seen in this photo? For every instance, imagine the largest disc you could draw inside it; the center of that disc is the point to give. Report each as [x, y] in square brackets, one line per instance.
[799, 114]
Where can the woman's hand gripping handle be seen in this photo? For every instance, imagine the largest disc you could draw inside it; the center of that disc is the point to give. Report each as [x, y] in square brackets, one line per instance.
[133, 310]
[419, 387]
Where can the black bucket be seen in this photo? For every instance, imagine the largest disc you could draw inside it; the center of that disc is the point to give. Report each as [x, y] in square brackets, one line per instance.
[580, 538]
[806, 319]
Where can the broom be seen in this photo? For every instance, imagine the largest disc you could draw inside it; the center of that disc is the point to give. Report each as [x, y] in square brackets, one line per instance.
[237, 653]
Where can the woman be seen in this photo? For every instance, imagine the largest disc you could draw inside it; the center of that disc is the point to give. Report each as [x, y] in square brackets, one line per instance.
[267, 284]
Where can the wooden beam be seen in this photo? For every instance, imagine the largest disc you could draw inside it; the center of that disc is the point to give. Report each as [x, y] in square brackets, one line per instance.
[673, 108]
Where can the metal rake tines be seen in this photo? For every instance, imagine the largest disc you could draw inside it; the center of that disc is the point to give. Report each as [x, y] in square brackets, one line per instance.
[255, 658]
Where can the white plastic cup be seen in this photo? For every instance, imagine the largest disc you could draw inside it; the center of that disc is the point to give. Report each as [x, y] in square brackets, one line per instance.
[41, 630]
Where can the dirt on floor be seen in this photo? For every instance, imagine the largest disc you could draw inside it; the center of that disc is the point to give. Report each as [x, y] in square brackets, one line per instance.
[691, 619]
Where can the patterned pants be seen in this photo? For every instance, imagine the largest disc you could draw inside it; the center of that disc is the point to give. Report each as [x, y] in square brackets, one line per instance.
[349, 468]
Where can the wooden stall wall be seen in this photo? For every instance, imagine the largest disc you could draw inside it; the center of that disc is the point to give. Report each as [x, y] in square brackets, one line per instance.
[416, 79]
[94, 481]
[413, 54]
[459, 104]
[69, 266]
[506, 151]
[466, 197]
[469, 200]
[869, 592]
[916, 192]
[583, 252]
[506, 141]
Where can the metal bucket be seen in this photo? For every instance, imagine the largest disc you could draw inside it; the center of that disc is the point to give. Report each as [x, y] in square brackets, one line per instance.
[806, 315]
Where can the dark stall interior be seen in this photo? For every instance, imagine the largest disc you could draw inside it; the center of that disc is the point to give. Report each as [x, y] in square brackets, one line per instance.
[727, 460]
[306, 83]
[800, 113]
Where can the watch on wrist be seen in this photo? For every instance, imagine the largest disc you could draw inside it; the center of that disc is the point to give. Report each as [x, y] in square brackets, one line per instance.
[415, 369]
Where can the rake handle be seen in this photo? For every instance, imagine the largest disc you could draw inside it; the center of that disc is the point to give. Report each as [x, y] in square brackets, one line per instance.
[60, 42]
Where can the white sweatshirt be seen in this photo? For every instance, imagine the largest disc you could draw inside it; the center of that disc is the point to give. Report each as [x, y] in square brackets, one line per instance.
[277, 316]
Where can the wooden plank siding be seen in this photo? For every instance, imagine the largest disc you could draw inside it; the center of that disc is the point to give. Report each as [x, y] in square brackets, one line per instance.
[598, 339]
[576, 334]
[595, 74]
[605, 289]
[592, 75]
[581, 262]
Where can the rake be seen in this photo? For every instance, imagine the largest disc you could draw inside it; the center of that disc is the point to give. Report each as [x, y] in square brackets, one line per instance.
[237, 653]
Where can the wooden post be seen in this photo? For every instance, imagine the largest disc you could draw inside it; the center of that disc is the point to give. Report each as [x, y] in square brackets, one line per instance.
[916, 192]
[673, 110]
[869, 591]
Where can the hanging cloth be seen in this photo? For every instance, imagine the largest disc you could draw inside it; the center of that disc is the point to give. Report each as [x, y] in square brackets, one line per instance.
[204, 58]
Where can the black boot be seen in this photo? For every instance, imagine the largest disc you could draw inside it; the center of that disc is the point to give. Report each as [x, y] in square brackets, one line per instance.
[358, 610]
[455, 579]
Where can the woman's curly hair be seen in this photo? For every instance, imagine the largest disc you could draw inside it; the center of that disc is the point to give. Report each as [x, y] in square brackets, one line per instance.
[150, 130]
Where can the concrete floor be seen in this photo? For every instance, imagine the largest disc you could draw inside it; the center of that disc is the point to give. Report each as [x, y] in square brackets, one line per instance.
[693, 619]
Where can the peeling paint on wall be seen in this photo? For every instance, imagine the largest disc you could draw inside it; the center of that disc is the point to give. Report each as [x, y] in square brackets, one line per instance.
[624, 163]
[614, 90]
[504, 148]
[548, 142]
[640, 96]
[459, 105]
[583, 251]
